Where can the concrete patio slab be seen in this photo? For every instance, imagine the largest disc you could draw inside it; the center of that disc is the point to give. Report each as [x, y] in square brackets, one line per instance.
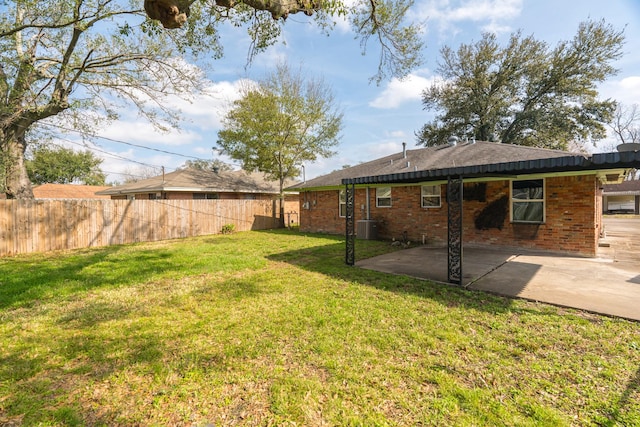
[608, 284]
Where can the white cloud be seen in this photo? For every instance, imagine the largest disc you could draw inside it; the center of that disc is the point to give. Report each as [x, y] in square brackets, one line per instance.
[398, 91]
[626, 90]
[447, 13]
[207, 109]
[397, 134]
[144, 133]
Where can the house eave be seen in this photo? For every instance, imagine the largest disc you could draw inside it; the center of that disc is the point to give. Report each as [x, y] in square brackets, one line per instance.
[506, 170]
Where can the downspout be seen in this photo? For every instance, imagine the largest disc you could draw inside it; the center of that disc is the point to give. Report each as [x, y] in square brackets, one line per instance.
[367, 206]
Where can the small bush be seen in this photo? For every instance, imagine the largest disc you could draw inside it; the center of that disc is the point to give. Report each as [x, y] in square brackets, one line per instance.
[228, 228]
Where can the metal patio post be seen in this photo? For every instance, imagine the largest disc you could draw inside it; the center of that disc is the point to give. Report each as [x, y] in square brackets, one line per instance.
[454, 244]
[350, 256]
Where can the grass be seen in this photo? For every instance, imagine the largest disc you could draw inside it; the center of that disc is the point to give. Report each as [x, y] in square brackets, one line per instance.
[272, 328]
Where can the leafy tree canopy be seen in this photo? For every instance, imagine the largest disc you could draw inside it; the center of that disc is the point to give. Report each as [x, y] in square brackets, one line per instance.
[285, 120]
[399, 42]
[526, 92]
[202, 165]
[59, 165]
[80, 61]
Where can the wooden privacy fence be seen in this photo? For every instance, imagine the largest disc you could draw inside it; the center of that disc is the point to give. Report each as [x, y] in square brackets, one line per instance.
[48, 225]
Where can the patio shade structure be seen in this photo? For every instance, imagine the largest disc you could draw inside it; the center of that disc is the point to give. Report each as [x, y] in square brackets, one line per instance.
[456, 176]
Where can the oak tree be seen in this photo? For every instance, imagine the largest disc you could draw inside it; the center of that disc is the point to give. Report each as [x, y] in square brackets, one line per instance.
[60, 165]
[399, 42]
[526, 92]
[84, 60]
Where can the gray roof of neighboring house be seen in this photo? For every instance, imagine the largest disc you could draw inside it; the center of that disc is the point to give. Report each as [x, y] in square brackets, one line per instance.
[622, 189]
[439, 158]
[194, 180]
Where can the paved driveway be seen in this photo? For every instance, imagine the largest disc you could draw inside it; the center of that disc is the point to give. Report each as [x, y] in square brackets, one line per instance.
[608, 284]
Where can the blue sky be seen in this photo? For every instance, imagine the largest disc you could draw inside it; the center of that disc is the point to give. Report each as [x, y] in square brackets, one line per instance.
[377, 119]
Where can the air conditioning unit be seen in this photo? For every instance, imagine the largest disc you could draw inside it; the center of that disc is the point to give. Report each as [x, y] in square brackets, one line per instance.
[366, 230]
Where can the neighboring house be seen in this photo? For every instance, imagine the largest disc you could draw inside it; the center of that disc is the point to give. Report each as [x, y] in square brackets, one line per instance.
[185, 184]
[622, 198]
[68, 191]
[511, 196]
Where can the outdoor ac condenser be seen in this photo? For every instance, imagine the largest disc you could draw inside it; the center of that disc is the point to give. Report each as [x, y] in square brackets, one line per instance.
[366, 230]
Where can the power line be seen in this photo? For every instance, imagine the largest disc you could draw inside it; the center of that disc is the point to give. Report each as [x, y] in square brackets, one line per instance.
[122, 142]
[116, 156]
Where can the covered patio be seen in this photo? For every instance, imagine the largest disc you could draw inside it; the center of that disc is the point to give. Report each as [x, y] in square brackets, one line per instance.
[608, 166]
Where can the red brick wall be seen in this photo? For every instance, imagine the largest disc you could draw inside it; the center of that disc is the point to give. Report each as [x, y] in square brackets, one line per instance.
[572, 225]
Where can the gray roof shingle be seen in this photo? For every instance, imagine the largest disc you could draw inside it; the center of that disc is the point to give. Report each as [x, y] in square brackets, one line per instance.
[441, 157]
[195, 180]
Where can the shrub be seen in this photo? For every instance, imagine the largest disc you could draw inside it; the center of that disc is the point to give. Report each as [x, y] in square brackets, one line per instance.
[228, 228]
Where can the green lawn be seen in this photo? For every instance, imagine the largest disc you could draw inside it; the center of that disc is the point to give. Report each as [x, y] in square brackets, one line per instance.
[272, 328]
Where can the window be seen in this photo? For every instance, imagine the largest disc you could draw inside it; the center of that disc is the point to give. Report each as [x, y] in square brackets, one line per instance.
[342, 203]
[430, 196]
[383, 197]
[527, 201]
[205, 196]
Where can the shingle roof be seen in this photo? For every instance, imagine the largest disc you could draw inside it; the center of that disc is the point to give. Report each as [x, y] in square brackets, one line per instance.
[625, 187]
[194, 180]
[68, 191]
[437, 158]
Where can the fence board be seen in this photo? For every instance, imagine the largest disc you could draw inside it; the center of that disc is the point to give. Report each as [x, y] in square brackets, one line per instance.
[46, 225]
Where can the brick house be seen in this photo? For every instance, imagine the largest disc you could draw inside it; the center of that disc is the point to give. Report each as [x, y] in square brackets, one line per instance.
[510, 196]
[68, 191]
[188, 184]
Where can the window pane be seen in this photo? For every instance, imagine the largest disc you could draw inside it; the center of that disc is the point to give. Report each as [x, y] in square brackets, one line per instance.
[528, 211]
[528, 190]
[384, 202]
[383, 192]
[430, 190]
[430, 202]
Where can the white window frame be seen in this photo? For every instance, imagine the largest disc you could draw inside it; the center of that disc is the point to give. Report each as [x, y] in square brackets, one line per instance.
[382, 194]
[342, 203]
[521, 198]
[435, 192]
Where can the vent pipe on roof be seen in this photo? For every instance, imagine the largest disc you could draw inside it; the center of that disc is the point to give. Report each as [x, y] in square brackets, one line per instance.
[404, 150]
[452, 141]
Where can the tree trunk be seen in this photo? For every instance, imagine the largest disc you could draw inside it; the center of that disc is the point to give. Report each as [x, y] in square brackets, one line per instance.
[13, 146]
[282, 220]
[281, 187]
